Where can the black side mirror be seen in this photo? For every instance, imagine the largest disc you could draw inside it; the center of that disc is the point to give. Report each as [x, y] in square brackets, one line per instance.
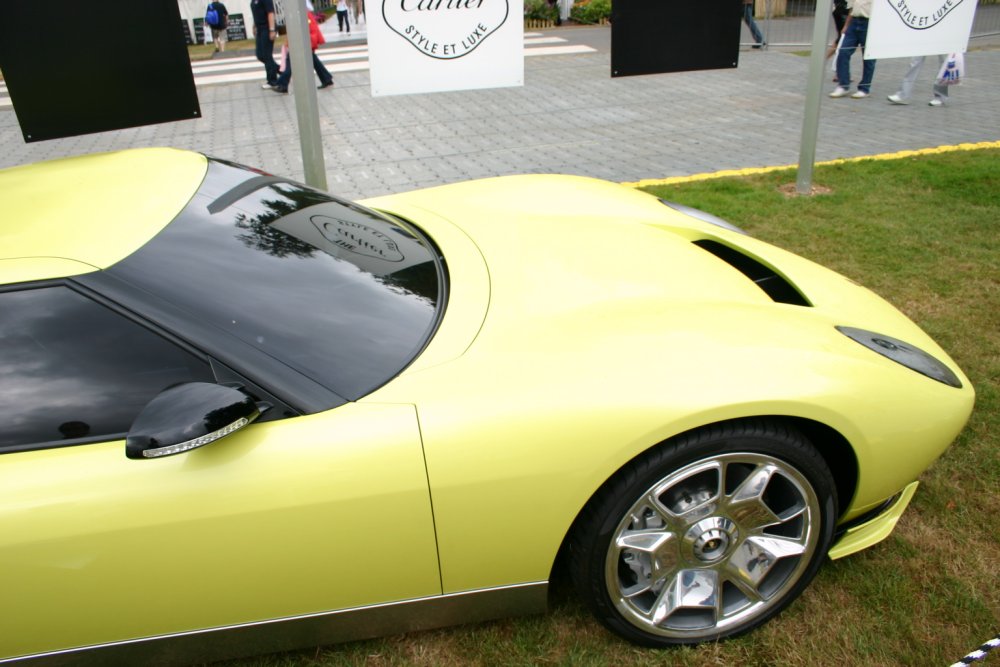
[188, 416]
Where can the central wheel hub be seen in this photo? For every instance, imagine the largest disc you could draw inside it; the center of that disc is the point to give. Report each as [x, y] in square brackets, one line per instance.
[710, 539]
[711, 545]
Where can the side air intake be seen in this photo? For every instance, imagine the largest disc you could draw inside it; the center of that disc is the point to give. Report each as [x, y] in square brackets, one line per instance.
[776, 287]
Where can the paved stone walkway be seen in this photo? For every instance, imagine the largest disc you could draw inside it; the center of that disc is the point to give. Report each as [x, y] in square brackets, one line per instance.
[569, 117]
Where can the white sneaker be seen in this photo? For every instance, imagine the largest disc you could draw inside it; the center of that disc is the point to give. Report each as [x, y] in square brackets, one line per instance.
[267, 86]
[896, 98]
[936, 102]
[859, 95]
[839, 91]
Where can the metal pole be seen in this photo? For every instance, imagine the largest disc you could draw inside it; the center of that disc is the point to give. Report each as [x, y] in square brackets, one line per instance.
[814, 93]
[306, 104]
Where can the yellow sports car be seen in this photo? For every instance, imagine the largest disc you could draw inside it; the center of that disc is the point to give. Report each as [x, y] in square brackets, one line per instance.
[240, 415]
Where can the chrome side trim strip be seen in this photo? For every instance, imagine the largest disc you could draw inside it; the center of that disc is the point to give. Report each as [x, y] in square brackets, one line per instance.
[285, 634]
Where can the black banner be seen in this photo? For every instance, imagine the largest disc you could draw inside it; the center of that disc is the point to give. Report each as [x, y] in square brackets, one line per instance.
[237, 28]
[62, 86]
[654, 37]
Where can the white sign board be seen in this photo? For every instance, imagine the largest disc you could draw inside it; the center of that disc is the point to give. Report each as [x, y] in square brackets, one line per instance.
[425, 46]
[902, 28]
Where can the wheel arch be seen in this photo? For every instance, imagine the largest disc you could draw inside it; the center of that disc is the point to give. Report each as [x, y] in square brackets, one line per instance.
[835, 449]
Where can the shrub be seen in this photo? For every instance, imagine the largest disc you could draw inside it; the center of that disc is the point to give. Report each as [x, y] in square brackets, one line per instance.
[540, 10]
[591, 11]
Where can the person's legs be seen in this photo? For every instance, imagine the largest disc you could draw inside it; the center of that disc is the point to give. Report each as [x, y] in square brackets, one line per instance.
[867, 74]
[868, 67]
[748, 19]
[940, 91]
[910, 78]
[325, 78]
[284, 78]
[847, 48]
[260, 47]
[906, 87]
[265, 54]
[220, 39]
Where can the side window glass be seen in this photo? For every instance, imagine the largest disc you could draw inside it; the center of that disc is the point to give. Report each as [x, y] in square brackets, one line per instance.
[74, 370]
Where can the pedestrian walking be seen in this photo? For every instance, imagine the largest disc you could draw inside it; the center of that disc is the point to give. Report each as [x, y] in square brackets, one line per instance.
[905, 93]
[343, 19]
[839, 21]
[758, 37]
[218, 11]
[855, 35]
[315, 39]
[265, 31]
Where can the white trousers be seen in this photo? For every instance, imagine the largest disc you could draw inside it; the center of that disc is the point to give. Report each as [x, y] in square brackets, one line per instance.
[906, 90]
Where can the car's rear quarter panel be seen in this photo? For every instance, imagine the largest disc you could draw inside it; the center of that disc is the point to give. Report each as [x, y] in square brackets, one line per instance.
[128, 195]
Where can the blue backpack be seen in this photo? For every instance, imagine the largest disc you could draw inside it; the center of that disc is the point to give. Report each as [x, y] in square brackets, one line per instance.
[212, 16]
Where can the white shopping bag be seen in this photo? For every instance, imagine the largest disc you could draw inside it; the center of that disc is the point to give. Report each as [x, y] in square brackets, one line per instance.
[835, 52]
[952, 70]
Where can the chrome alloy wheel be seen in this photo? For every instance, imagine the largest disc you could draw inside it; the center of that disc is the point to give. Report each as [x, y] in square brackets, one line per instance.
[713, 545]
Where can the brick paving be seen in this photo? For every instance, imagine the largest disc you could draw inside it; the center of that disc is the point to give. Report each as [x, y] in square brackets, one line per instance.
[569, 117]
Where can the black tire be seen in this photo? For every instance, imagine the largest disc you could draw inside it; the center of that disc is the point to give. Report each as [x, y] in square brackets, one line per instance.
[706, 536]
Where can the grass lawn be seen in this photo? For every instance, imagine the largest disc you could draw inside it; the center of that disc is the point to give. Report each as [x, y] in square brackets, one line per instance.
[925, 233]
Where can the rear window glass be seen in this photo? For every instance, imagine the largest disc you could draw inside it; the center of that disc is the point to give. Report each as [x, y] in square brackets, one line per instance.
[340, 293]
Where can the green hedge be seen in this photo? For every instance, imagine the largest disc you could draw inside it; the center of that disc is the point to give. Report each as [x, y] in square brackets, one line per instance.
[541, 10]
[591, 11]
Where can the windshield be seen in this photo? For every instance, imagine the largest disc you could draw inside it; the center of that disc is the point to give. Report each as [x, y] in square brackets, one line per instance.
[342, 294]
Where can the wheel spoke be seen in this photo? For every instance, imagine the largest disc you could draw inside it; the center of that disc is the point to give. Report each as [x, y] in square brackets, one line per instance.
[654, 558]
[793, 513]
[647, 541]
[757, 555]
[779, 547]
[690, 589]
[746, 505]
[754, 485]
[657, 513]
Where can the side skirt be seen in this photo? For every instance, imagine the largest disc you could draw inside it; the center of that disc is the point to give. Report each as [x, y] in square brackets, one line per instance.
[295, 632]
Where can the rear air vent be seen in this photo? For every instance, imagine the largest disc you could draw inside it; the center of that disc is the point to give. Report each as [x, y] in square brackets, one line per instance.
[776, 287]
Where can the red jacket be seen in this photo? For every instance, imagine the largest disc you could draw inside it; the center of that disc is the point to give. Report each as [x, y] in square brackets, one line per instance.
[315, 36]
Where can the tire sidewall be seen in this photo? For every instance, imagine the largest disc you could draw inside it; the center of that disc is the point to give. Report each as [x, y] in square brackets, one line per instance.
[623, 490]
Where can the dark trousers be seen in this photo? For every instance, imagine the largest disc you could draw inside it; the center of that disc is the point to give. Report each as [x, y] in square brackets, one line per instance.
[265, 54]
[856, 35]
[322, 72]
[342, 20]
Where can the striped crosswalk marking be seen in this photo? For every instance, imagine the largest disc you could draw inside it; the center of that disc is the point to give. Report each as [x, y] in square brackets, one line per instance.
[338, 59]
